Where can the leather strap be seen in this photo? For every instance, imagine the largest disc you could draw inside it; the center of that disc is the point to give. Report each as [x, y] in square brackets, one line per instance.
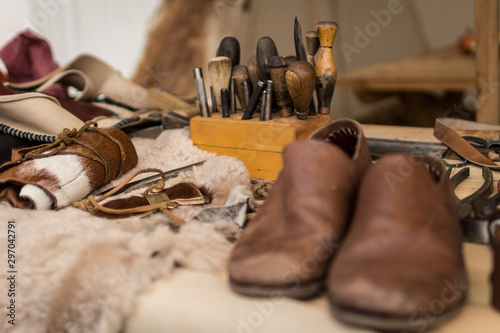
[155, 198]
[495, 276]
[444, 132]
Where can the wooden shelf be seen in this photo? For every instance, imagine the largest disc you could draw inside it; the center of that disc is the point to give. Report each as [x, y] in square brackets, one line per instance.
[444, 69]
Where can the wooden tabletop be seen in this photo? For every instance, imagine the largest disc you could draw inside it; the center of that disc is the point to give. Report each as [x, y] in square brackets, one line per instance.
[200, 302]
[444, 69]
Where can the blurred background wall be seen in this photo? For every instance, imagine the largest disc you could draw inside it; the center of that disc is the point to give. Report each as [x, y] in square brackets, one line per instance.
[115, 30]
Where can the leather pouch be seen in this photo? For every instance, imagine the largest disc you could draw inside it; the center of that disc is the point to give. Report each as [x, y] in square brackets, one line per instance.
[54, 175]
[156, 198]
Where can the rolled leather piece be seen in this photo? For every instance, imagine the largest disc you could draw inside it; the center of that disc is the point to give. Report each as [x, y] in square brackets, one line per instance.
[401, 267]
[54, 175]
[495, 276]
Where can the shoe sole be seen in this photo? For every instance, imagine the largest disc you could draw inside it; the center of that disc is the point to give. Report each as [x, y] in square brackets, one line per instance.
[422, 322]
[301, 291]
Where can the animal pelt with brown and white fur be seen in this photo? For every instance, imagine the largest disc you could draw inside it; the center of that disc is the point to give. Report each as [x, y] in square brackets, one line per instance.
[183, 35]
[81, 273]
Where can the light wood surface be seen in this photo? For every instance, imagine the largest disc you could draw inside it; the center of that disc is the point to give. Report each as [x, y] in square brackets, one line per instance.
[487, 76]
[256, 143]
[443, 69]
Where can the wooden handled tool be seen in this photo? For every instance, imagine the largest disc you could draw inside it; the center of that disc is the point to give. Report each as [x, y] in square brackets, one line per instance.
[240, 72]
[266, 49]
[230, 47]
[301, 81]
[325, 68]
[312, 42]
[219, 70]
[277, 69]
[252, 71]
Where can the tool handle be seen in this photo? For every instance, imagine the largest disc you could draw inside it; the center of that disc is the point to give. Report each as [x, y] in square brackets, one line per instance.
[266, 49]
[252, 71]
[327, 30]
[325, 67]
[219, 70]
[224, 94]
[240, 72]
[277, 69]
[301, 81]
[312, 43]
[230, 47]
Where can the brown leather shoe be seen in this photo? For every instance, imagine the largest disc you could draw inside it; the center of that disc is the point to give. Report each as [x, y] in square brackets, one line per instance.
[400, 267]
[286, 248]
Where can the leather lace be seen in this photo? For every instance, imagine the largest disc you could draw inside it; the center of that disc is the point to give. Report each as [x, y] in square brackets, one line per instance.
[69, 137]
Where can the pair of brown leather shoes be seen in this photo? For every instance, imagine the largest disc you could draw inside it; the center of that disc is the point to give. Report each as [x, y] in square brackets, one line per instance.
[384, 239]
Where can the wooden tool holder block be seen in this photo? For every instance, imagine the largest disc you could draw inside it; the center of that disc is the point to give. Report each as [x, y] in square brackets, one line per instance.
[256, 143]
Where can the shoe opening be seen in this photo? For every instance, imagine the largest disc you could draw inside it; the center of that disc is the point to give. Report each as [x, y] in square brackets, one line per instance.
[345, 138]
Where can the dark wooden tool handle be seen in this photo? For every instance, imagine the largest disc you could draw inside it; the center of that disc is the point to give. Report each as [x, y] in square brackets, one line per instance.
[230, 47]
[266, 49]
[312, 42]
[277, 69]
[301, 81]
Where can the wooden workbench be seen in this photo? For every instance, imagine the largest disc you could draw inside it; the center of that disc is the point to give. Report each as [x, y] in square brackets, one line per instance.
[443, 69]
[194, 302]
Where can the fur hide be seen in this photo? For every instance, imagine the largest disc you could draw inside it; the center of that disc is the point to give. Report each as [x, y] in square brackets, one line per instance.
[81, 273]
[185, 34]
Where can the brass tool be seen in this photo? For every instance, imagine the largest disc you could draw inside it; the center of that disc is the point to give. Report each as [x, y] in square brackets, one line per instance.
[325, 67]
[301, 81]
[266, 49]
[230, 47]
[219, 70]
[277, 69]
[200, 92]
